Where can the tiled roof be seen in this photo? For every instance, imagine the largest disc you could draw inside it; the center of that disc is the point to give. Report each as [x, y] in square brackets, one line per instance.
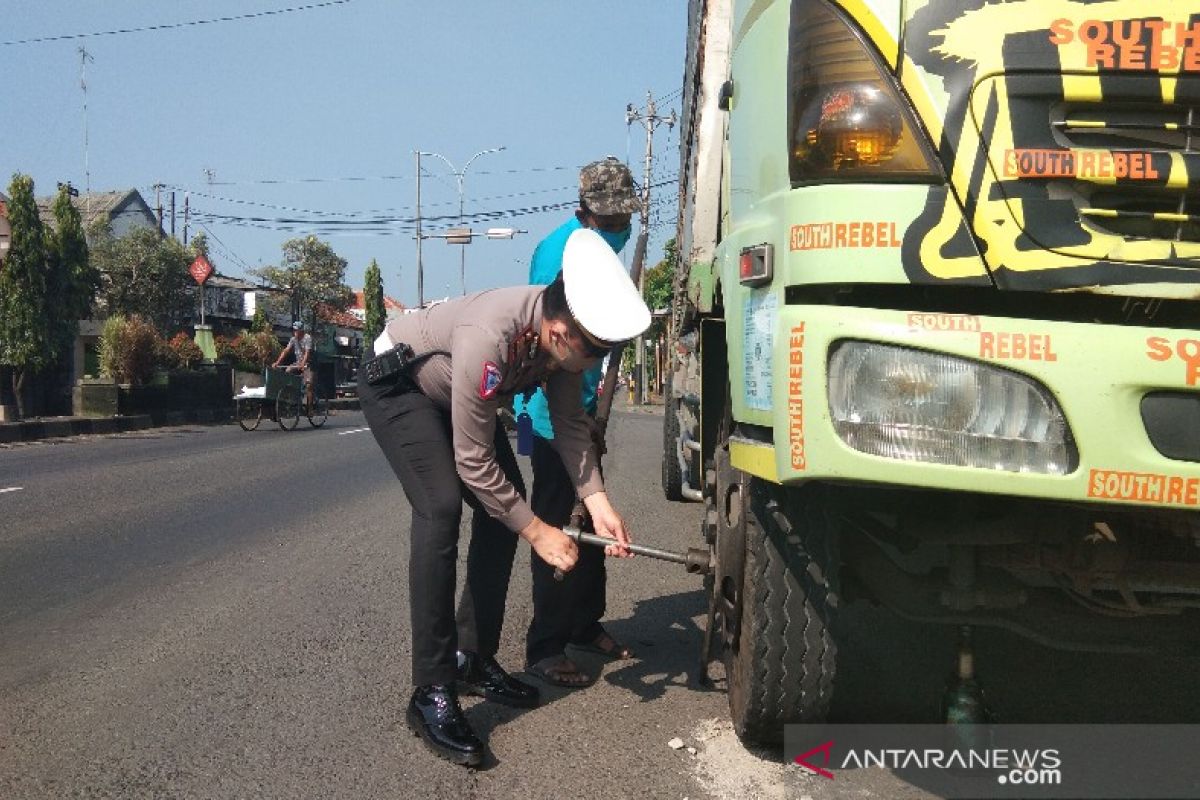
[389, 303]
[342, 319]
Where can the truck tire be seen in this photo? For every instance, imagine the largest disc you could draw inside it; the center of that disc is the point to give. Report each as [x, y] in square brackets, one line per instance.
[781, 670]
[672, 472]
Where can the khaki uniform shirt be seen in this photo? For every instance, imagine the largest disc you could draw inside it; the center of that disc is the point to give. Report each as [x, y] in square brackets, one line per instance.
[492, 339]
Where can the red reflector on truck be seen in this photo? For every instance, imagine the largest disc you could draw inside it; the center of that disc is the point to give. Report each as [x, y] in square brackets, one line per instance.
[755, 265]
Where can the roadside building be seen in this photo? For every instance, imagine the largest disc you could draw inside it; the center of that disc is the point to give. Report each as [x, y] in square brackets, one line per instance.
[392, 307]
[122, 210]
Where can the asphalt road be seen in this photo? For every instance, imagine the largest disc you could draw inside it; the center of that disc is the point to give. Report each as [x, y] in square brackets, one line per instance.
[203, 612]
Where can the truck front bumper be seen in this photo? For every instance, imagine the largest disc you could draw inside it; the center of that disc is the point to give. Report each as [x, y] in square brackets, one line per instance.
[1099, 375]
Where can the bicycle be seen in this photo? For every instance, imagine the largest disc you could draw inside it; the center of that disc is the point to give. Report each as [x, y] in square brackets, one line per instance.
[279, 398]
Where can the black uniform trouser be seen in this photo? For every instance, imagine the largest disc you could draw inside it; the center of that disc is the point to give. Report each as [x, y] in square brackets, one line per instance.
[416, 437]
[567, 611]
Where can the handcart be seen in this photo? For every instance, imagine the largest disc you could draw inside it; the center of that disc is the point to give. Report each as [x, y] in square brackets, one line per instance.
[281, 398]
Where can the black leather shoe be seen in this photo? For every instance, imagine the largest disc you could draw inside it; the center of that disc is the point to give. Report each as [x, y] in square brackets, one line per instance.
[435, 716]
[482, 676]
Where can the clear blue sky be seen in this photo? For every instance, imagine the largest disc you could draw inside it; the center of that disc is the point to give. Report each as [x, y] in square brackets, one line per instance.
[313, 114]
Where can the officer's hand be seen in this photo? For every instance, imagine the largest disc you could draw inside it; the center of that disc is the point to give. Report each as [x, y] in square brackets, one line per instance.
[551, 544]
[607, 522]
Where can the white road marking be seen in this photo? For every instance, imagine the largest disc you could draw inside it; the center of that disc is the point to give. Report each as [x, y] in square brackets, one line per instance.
[356, 430]
[12, 489]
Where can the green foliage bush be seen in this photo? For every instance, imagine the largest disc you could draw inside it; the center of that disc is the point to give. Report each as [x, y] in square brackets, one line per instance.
[249, 352]
[129, 349]
[181, 352]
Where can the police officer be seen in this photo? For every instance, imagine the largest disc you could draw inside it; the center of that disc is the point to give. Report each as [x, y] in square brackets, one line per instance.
[436, 423]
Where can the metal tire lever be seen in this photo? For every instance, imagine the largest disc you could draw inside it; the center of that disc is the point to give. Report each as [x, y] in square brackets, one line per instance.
[696, 560]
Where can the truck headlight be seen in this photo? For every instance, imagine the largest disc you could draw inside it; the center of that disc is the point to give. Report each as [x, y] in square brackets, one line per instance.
[918, 406]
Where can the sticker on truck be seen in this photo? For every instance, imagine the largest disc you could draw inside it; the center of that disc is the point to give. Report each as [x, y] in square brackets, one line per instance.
[795, 398]
[759, 338]
[1146, 487]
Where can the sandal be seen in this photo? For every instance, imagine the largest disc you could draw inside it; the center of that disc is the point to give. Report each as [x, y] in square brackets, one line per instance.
[559, 671]
[605, 645]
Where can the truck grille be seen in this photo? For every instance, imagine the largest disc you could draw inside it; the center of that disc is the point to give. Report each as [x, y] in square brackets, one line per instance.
[1168, 211]
[1102, 168]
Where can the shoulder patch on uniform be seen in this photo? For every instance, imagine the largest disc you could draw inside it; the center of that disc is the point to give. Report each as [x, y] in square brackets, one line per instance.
[489, 382]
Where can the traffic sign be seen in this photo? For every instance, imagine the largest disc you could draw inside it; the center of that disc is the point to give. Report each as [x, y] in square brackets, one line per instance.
[201, 269]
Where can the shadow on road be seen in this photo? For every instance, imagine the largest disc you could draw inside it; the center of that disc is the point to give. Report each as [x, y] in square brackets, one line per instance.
[666, 639]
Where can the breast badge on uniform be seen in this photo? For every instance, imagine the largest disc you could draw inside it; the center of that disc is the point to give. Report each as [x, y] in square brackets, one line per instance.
[490, 381]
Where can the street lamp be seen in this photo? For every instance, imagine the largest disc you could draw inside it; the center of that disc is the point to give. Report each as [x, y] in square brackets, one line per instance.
[460, 176]
[466, 235]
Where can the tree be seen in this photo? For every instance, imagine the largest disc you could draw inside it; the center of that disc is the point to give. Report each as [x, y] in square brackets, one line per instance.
[25, 337]
[71, 278]
[144, 273]
[260, 323]
[199, 244]
[376, 316]
[658, 283]
[312, 274]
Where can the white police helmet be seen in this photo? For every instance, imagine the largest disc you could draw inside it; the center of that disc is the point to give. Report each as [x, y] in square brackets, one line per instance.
[602, 298]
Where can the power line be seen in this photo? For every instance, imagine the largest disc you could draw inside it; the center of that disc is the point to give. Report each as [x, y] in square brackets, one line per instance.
[362, 178]
[668, 98]
[224, 247]
[389, 223]
[238, 201]
[284, 181]
[393, 223]
[171, 25]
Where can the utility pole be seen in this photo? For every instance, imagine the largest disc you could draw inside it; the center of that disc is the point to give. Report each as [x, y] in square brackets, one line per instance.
[158, 187]
[649, 119]
[172, 214]
[84, 57]
[186, 197]
[420, 267]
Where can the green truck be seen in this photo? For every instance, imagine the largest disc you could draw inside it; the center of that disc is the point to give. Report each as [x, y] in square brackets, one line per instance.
[935, 326]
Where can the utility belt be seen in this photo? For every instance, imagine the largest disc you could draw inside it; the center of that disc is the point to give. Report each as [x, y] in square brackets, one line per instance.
[393, 364]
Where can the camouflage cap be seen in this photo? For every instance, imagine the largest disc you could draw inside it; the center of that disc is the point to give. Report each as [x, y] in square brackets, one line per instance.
[607, 188]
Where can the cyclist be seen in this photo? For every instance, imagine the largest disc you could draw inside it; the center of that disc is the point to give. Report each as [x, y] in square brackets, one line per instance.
[300, 348]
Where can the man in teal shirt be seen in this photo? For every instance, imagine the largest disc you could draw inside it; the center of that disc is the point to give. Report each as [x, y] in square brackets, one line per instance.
[569, 611]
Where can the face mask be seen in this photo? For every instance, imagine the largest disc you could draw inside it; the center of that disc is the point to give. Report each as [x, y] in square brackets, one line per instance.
[616, 240]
